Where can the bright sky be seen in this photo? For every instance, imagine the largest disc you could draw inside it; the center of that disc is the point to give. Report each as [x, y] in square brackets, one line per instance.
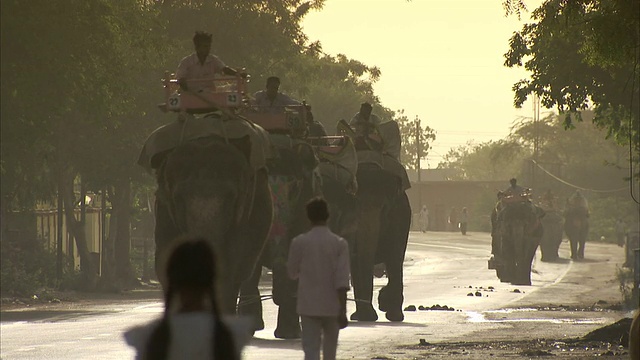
[441, 60]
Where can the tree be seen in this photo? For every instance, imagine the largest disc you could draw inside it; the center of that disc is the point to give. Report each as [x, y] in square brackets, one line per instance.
[583, 54]
[492, 160]
[416, 139]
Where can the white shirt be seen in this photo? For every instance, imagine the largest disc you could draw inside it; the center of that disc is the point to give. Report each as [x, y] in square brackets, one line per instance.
[275, 106]
[191, 335]
[191, 68]
[319, 259]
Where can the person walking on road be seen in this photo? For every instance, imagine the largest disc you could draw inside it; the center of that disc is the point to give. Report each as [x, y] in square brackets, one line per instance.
[319, 259]
[424, 218]
[464, 218]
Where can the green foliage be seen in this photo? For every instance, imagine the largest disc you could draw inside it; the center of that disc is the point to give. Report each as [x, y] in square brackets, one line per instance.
[583, 54]
[493, 160]
[27, 267]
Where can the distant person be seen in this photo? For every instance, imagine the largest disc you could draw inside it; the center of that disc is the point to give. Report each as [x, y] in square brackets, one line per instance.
[424, 218]
[364, 121]
[315, 128]
[201, 64]
[191, 326]
[453, 219]
[514, 189]
[271, 100]
[621, 231]
[464, 218]
[319, 259]
[495, 231]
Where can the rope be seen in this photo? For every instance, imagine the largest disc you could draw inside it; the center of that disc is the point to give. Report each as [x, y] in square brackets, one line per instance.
[576, 186]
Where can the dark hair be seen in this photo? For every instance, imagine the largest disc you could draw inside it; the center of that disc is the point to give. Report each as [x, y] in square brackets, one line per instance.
[317, 210]
[201, 36]
[273, 79]
[191, 266]
[513, 181]
[366, 105]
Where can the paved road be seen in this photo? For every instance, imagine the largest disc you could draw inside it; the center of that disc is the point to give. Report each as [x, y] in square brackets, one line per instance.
[440, 268]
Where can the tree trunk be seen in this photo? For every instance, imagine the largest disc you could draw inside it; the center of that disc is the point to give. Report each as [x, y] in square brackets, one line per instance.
[122, 246]
[77, 230]
[108, 280]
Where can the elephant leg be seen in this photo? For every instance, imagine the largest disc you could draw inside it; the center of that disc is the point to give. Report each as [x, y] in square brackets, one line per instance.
[250, 303]
[284, 290]
[394, 244]
[574, 248]
[164, 233]
[362, 263]
[581, 245]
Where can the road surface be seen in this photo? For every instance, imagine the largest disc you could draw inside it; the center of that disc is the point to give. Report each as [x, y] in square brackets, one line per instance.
[440, 269]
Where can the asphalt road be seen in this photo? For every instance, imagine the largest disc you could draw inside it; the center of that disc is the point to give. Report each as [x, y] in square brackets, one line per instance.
[440, 269]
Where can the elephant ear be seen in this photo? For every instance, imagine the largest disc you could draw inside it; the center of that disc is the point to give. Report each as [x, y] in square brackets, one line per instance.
[308, 156]
[244, 145]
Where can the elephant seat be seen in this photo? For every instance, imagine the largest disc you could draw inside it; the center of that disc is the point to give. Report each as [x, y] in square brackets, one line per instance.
[208, 95]
[191, 127]
[291, 121]
[385, 162]
[338, 159]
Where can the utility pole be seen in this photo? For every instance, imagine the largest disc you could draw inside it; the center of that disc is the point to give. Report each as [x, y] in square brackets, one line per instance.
[418, 150]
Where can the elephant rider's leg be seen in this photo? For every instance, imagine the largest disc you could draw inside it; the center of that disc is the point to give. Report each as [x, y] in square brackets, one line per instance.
[250, 302]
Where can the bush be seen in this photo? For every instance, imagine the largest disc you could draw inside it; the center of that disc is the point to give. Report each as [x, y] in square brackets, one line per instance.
[27, 267]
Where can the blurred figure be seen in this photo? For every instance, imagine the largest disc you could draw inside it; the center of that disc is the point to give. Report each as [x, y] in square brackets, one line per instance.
[319, 259]
[464, 218]
[621, 230]
[424, 218]
[271, 100]
[453, 219]
[191, 326]
[514, 189]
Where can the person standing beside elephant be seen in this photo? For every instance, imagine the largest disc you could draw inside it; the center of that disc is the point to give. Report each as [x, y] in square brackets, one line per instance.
[201, 64]
[319, 260]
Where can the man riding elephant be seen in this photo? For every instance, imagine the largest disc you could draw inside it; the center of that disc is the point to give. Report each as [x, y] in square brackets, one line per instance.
[576, 224]
[383, 214]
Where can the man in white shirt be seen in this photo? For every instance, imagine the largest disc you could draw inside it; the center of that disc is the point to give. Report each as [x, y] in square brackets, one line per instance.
[319, 259]
[271, 100]
[201, 64]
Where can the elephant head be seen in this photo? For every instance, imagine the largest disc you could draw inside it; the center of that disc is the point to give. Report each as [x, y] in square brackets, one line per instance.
[521, 230]
[206, 187]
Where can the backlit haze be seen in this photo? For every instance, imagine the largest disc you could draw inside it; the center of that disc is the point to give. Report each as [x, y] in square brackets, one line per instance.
[440, 60]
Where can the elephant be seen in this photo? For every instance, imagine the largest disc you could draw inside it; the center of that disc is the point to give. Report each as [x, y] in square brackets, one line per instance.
[576, 223]
[520, 231]
[212, 182]
[576, 226]
[294, 179]
[552, 223]
[383, 217]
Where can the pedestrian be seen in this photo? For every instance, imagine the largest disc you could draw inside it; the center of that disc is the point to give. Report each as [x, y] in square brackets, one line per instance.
[319, 259]
[424, 218]
[453, 219]
[191, 326]
[464, 218]
[621, 230]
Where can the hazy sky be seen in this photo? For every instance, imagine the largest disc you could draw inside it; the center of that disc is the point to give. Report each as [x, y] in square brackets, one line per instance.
[441, 60]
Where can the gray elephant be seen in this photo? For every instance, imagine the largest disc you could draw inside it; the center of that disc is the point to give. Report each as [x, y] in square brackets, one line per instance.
[552, 223]
[294, 179]
[576, 224]
[520, 230]
[212, 182]
[383, 215]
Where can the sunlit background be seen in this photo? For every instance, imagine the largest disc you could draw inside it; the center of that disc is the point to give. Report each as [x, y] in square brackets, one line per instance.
[441, 61]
